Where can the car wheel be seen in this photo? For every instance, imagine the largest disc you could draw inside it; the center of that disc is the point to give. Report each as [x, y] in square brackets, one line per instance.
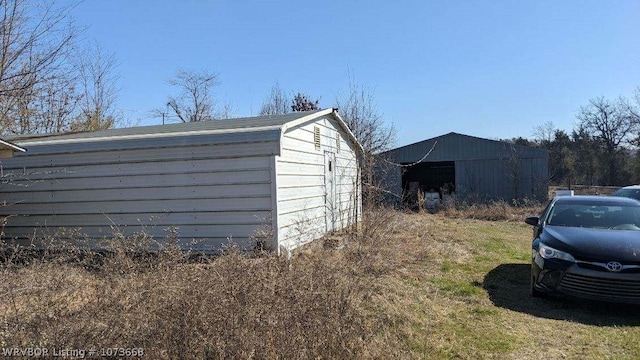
[532, 288]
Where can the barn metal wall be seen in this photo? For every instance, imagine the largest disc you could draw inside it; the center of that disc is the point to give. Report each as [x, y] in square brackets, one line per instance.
[483, 166]
[494, 179]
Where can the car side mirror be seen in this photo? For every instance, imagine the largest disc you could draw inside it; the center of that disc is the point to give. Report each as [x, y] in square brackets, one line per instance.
[532, 220]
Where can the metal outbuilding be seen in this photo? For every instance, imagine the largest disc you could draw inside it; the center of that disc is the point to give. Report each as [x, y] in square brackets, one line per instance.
[469, 167]
[287, 178]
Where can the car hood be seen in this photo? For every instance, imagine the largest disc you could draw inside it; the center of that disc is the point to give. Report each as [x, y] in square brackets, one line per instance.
[594, 244]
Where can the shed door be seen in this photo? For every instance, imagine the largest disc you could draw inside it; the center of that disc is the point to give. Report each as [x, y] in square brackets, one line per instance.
[330, 190]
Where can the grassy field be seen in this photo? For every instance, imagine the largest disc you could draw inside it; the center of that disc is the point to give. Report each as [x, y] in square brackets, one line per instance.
[460, 290]
[406, 286]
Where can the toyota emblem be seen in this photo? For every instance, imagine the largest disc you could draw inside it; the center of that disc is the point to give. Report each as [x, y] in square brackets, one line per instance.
[614, 266]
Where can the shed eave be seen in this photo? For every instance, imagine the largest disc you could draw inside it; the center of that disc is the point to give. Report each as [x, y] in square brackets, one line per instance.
[54, 141]
[11, 146]
[336, 115]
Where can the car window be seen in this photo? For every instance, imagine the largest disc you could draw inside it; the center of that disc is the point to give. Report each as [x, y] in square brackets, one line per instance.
[595, 216]
[545, 213]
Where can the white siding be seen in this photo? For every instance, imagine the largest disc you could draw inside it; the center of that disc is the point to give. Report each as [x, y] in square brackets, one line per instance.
[208, 192]
[211, 181]
[302, 208]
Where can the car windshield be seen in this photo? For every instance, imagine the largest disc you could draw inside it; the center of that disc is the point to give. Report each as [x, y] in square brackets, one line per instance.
[595, 216]
[630, 193]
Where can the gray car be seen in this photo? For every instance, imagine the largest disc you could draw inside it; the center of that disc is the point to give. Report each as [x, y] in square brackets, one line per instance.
[632, 191]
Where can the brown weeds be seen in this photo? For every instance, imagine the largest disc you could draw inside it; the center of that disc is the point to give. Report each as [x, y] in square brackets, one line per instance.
[235, 305]
[399, 285]
[230, 306]
[347, 299]
[492, 211]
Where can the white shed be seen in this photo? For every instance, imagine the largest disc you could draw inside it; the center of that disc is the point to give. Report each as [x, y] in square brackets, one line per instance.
[294, 175]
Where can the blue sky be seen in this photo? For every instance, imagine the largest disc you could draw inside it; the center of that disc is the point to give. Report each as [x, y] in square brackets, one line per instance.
[492, 69]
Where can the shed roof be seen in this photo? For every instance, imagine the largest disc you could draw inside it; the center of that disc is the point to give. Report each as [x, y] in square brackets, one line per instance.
[251, 129]
[454, 146]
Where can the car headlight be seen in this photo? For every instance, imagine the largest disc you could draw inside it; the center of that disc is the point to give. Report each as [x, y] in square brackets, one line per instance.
[550, 253]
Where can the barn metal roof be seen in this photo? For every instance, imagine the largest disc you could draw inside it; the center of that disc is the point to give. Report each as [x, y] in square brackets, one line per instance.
[454, 146]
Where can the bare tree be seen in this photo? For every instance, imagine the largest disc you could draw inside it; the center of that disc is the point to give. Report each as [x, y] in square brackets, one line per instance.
[303, 102]
[633, 111]
[35, 40]
[277, 103]
[612, 124]
[358, 109]
[227, 111]
[194, 101]
[47, 107]
[98, 81]
[56, 105]
[544, 134]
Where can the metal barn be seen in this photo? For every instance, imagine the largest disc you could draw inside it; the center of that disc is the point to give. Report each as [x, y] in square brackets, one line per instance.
[469, 167]
[290, 178]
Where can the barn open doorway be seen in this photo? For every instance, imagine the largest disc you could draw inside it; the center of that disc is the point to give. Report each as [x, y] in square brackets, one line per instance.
[438, 176]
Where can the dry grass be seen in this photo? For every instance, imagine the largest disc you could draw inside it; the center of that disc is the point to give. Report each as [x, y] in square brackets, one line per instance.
[233, 306]
[405, 286]
[493, 211]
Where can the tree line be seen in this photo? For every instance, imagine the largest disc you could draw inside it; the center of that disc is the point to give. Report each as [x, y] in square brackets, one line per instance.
[50, 79]
[601, 149]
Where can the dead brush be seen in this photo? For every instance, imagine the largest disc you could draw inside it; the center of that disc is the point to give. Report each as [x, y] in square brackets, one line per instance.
[376, 223]
[369, 246]
[497, 210]
[229, 306]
